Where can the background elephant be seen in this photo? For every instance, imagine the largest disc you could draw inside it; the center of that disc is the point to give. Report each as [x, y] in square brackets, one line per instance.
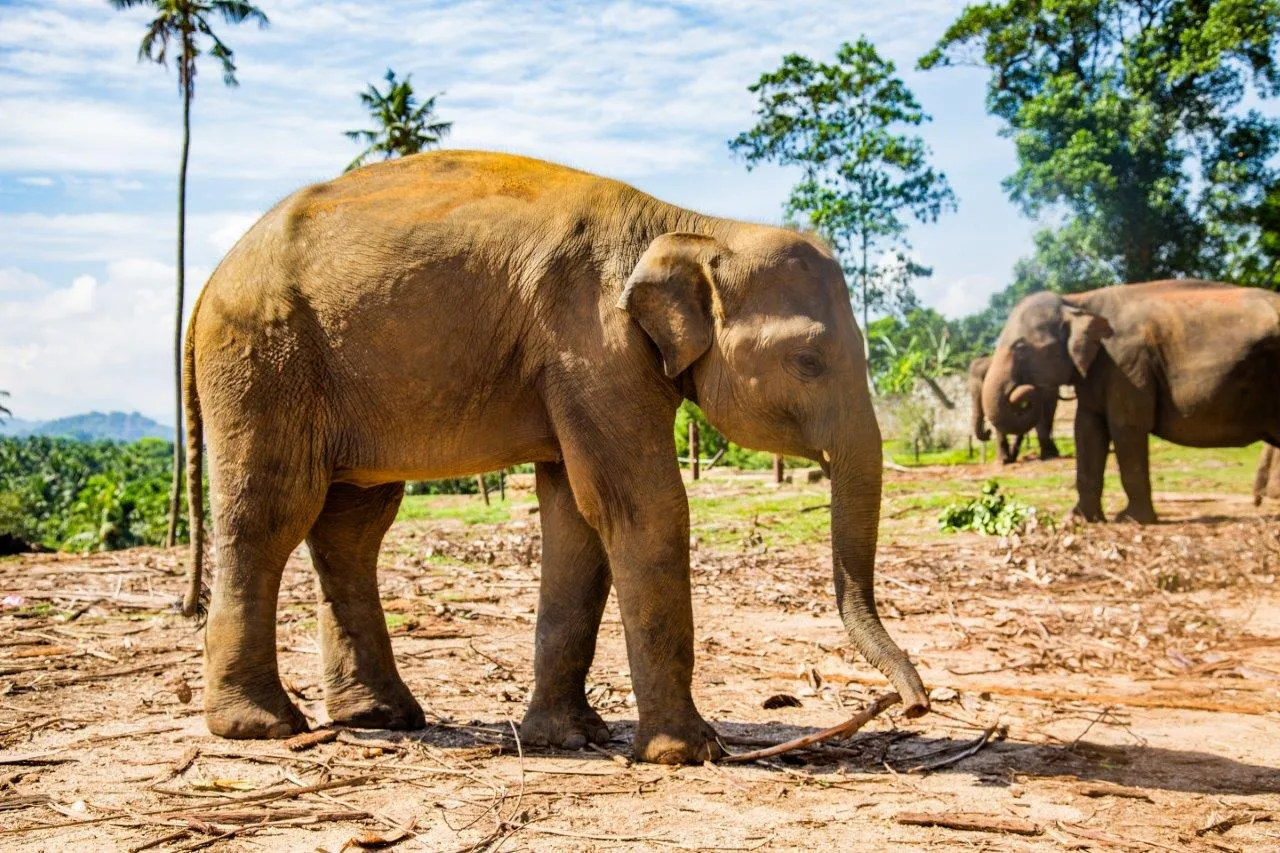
[1266, 482]
[1044, 408]
[1194, 362]
[457, 312]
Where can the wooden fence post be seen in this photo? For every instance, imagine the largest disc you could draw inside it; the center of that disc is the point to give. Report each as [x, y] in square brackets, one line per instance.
[777, 469]
[484, 488]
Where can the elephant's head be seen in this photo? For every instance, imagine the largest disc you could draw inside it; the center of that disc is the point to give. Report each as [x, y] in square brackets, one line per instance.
[1046, 343]
[757, 328]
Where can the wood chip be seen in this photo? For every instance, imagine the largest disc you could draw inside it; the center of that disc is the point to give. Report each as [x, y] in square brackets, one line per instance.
[1108, 789]
[969, 822]
[306, 740]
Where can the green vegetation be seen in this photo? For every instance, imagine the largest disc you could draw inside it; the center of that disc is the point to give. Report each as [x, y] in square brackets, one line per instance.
[991, 513]
[404, 126]
[81, 496]
[1128, 115]
[184, 26]
[467, 509]
[847, 126]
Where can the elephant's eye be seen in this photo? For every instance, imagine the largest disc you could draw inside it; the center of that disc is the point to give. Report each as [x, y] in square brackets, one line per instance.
[806, 364]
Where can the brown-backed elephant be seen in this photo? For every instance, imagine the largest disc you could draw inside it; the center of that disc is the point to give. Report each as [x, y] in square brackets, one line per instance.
[1266, 481]
[1194, 362]
[458, 312]
[1040, 415]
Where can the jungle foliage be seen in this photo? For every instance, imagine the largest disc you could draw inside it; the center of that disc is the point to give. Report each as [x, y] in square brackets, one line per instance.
[85, 496]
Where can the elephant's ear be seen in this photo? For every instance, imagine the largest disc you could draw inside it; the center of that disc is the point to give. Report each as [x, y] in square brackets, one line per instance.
[669, 295]
[1085, 333]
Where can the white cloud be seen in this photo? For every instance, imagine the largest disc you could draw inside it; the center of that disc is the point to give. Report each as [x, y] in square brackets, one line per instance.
[92, 344]
[37, 181]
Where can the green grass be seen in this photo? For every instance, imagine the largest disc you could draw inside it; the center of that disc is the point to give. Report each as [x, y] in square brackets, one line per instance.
[468, 509]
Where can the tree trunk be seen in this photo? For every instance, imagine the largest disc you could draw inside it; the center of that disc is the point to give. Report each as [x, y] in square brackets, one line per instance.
[694, 462]
[175, 493]
[484, 488]
[777, 469]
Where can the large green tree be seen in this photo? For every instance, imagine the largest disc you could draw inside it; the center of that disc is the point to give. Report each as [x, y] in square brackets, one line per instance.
[404, 126]
[183, 30]
[1127, 113]
[847, 125]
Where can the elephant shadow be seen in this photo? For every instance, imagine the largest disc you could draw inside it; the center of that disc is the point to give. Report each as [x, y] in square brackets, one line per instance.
[998, 764]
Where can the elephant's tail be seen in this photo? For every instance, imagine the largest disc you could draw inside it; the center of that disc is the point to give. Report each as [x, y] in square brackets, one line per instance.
[194, 602]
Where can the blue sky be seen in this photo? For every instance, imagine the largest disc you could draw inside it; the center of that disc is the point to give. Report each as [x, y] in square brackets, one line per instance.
[647, 92]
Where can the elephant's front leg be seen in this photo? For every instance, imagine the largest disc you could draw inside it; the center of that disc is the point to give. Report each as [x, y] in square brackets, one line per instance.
[1093, 440]
[634, 497]
[574, 588]
[1133, 458]
[361, 684]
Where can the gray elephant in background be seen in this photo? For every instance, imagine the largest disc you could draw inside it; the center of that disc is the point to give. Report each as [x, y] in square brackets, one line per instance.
[1038, 417]
[1196, 363]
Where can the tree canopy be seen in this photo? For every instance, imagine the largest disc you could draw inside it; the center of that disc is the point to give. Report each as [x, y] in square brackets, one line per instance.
[847, 126]
[1129, 114]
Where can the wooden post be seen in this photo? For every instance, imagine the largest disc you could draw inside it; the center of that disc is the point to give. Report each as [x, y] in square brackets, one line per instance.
[484, 488]
[695, 464]
[777, 469]
[502, 483]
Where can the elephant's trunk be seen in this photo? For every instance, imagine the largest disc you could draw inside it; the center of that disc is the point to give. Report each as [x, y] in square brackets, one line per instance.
[1003, 399]
[980, 430]
[855, 519]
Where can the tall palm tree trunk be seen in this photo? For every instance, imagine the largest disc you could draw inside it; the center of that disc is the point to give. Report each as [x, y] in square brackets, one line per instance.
[175, 494]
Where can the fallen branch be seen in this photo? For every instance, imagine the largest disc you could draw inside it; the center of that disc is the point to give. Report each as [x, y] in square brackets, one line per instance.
[1235, 820]
[845, 729]
[972, 749]
[306, 740]
[1108, 789]
[969, 822]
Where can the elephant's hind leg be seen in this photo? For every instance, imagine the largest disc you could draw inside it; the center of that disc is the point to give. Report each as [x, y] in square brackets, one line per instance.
[574, 588]
[361, 684]
[260, 518]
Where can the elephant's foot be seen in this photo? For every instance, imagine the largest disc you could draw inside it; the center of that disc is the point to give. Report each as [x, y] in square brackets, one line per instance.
[567, 727]
[1137, 515]
[688, 740]
[231, 713]
[1049, 451]
[1089, 514]
[360, 708]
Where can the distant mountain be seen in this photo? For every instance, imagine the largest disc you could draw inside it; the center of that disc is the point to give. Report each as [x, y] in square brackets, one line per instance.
[115, 426]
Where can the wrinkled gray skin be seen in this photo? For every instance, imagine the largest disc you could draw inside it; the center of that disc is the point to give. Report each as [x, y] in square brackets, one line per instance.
[1042, 411]
[457, 312]
[1196, 363]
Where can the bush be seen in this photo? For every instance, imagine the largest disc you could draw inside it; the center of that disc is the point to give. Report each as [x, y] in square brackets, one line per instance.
[991, 514]
[918, 427]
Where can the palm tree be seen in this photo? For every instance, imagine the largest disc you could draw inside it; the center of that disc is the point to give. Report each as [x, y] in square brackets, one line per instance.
[184, 25]
[404, 126]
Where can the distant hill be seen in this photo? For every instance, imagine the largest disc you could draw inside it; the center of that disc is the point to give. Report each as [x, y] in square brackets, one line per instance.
[92, 426]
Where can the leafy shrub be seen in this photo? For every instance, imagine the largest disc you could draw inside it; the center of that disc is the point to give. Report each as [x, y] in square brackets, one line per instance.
[991, 514]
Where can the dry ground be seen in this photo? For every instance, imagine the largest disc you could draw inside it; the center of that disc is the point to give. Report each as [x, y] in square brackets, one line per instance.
[1113, 688]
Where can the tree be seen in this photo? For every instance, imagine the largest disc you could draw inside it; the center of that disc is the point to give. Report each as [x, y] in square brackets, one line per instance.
[1108, 104]
[183, 25]
[4, 410]
[404, 126]
[845, 125]
[921, 345]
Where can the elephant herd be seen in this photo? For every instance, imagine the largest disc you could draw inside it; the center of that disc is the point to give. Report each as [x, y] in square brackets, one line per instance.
[1194, 362]
[459, 311]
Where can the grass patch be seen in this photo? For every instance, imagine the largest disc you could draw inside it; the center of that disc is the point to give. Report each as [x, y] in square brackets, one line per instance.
[467, 509]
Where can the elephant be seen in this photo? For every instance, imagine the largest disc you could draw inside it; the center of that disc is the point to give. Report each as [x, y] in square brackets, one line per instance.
[1046, 408]
[1266, 482]
[455, 312]
[1196, 363]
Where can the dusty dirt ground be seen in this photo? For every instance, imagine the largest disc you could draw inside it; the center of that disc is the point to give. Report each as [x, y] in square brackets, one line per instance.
[1112, 688]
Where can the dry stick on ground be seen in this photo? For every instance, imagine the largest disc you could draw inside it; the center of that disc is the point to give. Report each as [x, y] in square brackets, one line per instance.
[970, 822]
[843, 730]
[972, 749]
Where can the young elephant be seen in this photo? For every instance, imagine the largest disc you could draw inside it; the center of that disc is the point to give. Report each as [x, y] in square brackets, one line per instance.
[458, 312]
[1040, 414]
[1194, 362]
